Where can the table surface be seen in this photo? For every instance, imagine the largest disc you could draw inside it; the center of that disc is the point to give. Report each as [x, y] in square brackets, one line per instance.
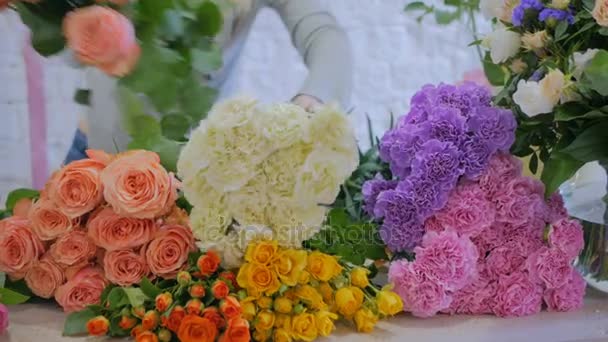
[43, 323]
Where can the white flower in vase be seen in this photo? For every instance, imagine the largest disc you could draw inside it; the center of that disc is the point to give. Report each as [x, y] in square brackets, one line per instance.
[540, 97]
[580, 61]
[503, 44]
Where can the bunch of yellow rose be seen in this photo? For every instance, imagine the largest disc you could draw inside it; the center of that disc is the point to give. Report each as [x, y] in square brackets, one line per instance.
[294, 294]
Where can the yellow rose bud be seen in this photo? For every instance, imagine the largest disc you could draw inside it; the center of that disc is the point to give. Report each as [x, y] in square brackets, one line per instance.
[310, 296]
[261, 335]
[264, 302]
[264, 320]
[327, 292]
[281, 335]
[365, 320]
[262, 252]
[304, 278]
[358, 277]
[249, 309]
[304, 327]
[389, 303]
[349, 300]
[325, 322]
[283, 305]
[323, 267]
[282, 321]
[258, 279]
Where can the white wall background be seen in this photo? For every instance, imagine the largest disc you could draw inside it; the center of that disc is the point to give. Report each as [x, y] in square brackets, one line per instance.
[394, 56]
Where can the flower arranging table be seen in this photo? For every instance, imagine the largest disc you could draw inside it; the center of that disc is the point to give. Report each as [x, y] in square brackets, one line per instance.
[43, 322]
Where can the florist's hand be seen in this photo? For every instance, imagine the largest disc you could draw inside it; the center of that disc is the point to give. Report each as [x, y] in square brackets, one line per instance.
[309, 103]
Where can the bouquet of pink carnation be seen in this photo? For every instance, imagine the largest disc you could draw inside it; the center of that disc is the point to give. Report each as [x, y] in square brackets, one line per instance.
[99, 221]
[459, 206]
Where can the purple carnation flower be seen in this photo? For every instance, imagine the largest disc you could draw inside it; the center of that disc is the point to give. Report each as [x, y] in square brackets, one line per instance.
[402, 238]
[556, 14]
[476, 154]
[438, 162]
[428, 196]
[416, 115]
[397, 208]
[494, 126]
[447, 125]
[372, 188]
[519, 12]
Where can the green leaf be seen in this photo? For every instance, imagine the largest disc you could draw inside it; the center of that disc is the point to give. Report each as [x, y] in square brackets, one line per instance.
[76, 322]
[144, 127]
[18, 194]
[149, 289]
[591, 144]
[168, 150]
[2, 279]
[603, 31]
[172, 26]
[445, 17]
[560, 30]
[175, 126]
[559, 168]
[196, 100]
[206, 61]
[533, 163]
[596, 73]
[135, 296]
[494, 72]
[83, 97]
[210, 19]
[475, 42]
[153, 11]
[117, 298]
[338, 217]
[10, 297]
[47, 35]
[415, 6]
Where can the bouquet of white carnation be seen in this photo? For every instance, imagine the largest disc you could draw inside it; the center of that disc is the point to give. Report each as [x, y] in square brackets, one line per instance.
[264, 171]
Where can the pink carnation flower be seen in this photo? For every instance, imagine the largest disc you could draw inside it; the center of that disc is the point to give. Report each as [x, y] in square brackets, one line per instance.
[556, 208]
[467, 211]
[567, 236]
[501, 169]
[517, 295]
[477, 298]
[549, 266]
[421, 296]
[490, 238]
[506, 259]
[568, 297]
[3, 318]
[447, 259]
[530, 233]
[518, 209]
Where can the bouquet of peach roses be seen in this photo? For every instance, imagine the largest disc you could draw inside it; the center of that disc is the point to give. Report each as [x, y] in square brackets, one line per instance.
[108, 219]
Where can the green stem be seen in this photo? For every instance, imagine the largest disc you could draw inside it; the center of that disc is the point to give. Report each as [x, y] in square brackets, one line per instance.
[473, 22]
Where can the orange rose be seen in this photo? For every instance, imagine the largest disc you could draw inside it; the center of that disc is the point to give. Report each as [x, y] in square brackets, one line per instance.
[47, 221]
[197, 291]
[76, 189]
[178, 216]
[237, 331]
[151, 320]
[146, 336]
[102, 37]
[22, 207]
[44, 277]
[208, 263]
[168, 252]
[231, 308]
[194, 306]
[136, 185]
[220, 289]
[127, 322]
[73, 248]
[163, 301]
[214, 316]
[173, 321]
[125, 267]
[20, 248]
[111, 231]
[197, 329]
[98, 326]
[138, 329]
[82, 290]
[231, 278]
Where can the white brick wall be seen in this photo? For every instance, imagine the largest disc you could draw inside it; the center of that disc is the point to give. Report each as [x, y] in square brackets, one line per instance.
[394, 56]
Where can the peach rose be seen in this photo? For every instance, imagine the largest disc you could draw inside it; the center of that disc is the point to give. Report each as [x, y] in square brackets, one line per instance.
[83, 289]
[136, 185]
[112, 231]
[125, 267]
[76, 189]
[168, 251]
[44, 277]
[22, 207]
[600, 12]
[73, 249]
[102, 37]
[20, 248]
[47, 221]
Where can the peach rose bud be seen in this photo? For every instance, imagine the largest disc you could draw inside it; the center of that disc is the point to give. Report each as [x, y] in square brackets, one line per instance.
[83, 289]
[44, 277]
[102, 37]
[113, 232]
[76, 189]
[47, 221]
[73, 249]
[125, 267]
[20, 248]
[136, 185]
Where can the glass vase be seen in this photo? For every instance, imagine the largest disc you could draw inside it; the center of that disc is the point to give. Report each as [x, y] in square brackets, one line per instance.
[585, 196]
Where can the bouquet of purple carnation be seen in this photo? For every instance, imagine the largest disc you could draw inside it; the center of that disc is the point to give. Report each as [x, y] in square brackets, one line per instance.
[450, 132]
